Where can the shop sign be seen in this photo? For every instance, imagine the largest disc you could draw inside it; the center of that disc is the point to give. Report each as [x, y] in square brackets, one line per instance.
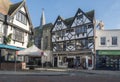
[109, 52]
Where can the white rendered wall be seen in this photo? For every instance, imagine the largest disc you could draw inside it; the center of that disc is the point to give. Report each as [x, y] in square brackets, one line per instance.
[16, 22]
[108, 34]
[1, 32]
[21, 25]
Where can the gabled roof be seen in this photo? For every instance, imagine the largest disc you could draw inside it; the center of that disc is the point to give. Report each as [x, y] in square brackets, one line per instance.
[38, 30]
[69, 21]
[47, 26]
[13, 7]
[59, 17]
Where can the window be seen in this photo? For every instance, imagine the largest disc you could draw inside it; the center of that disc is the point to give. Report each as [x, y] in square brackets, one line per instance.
[1, 27]
[103, 40]
[46, 42]
[114, 40]
[69, 30]
[18, 35]
[90, 26]
[59, 33]
[53, 33]
[63, 33]
[81, 29]
[81, 44]
[21, 17]
[59, 22]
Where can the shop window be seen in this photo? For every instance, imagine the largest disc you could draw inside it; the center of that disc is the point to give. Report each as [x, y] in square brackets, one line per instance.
[89, 62]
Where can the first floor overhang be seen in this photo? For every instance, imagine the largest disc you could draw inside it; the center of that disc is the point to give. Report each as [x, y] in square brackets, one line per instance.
[78, 52]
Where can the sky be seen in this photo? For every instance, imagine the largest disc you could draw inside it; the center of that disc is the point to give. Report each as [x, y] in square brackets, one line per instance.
[106, 10]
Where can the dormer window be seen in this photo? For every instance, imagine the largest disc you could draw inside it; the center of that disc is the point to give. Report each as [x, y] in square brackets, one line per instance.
[21, 17]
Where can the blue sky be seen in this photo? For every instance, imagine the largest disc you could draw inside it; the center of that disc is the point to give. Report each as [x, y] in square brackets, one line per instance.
[106, 10]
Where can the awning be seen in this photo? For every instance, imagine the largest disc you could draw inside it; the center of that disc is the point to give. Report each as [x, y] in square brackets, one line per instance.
[3, 46]
[32, 51]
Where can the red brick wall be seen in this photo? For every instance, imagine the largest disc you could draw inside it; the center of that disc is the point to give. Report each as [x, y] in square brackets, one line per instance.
[11, 66]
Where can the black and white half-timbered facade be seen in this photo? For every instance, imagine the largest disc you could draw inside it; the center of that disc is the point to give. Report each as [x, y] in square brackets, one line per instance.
[73, 41]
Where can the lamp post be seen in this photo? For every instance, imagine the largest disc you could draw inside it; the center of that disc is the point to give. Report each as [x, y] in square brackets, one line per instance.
[94, 50]
[15, 59]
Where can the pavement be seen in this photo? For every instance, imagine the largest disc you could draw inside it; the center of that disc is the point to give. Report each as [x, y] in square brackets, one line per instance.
[109, 72]
[36, 73]
[58, 71]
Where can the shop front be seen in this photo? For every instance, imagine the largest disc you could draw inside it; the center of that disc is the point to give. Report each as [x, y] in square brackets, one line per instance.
[71, 60]
[8, 57]
[108, 59]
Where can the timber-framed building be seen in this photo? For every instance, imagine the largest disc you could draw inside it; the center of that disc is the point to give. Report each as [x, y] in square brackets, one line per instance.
[73, 40]
[16, 30]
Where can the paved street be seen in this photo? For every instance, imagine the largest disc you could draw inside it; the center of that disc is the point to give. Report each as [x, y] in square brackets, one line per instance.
[65, 76]
[37, 78]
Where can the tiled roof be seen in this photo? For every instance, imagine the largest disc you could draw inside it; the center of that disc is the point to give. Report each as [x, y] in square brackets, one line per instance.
[13, 7]
[38, 30]
[90, 14]
[68, 21]
[47, 26]
[7, 8]
[4, 6]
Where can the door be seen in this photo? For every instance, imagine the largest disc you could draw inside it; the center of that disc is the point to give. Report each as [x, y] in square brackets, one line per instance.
[55, 61]
[70, 62]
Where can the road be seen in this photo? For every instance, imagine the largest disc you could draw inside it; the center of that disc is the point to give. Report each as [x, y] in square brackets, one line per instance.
[58, 77]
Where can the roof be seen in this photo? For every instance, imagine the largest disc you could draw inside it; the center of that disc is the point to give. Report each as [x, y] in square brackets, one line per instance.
[90, 14]
[38, 30]
[13, 7]
[68, 21]
[4, 6]
[109, 30]
[7, 7]
[47, 26]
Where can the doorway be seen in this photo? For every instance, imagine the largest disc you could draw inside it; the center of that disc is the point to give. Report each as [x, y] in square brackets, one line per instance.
[55, 61]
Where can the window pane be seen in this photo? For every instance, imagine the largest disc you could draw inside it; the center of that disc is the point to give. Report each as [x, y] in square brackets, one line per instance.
[18, 35]
[21, 17]
[103, 40]
[114, 40]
